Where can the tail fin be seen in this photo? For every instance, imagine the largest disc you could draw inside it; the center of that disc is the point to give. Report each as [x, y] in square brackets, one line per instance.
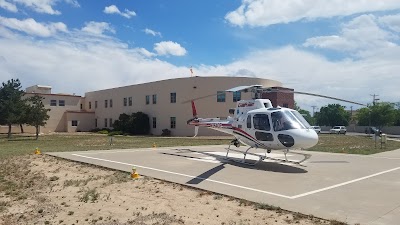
[194, 110]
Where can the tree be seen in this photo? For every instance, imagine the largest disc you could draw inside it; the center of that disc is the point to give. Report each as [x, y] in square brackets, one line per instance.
[306, 114]
[36, 113]
[332, 115]
[379, 115]
[11, 103]
[136, 123]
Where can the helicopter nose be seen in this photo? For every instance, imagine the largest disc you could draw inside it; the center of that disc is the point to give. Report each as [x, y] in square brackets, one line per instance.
[304, 138]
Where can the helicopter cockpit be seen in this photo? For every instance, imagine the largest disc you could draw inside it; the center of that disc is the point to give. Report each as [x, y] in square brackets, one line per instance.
[288, 119]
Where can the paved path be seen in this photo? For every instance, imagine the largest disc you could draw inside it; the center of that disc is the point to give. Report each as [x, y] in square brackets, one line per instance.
[350, 188]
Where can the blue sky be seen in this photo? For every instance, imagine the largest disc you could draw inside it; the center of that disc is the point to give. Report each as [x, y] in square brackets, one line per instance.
[347, 49]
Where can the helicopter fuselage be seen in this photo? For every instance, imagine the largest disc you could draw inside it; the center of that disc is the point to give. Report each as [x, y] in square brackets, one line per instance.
[257, 124]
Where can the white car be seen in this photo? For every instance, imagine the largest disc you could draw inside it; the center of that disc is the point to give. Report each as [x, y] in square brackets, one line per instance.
[338, 130]
[316, 128]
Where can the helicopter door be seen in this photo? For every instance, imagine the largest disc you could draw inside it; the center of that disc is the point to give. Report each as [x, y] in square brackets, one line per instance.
[262, 125]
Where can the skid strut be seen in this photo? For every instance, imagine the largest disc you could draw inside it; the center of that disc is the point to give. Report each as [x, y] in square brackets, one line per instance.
[263, 157]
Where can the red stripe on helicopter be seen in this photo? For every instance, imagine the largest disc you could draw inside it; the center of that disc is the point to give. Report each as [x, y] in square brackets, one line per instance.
[248, 136]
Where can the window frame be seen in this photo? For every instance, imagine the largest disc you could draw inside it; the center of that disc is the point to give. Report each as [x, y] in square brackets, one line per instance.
[154, 99]
[154, 122]
[147, 99]
[74, 122]
[53, 102]
[221, 96]
[173, 97]
[172, 122]
[61, 102]
[236, 96]
[130, 101]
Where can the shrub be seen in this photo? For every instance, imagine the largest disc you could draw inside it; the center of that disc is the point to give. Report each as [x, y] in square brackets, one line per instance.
[112, 133]
[166, 132]
[103, 132]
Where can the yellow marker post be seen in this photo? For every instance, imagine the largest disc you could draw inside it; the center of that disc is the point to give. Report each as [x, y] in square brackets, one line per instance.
[154, 145]
[37, 151]
[134, 174]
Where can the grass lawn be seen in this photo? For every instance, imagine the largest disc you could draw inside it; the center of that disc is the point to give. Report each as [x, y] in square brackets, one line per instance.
[20, 145]
[363, 145]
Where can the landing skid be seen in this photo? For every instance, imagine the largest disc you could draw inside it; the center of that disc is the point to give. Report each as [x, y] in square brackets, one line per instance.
[263, 157]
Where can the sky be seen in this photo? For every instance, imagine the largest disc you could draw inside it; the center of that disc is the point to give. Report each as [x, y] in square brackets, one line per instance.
[341, 48]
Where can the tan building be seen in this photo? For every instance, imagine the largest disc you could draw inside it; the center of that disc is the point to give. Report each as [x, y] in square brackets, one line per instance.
[162, 101]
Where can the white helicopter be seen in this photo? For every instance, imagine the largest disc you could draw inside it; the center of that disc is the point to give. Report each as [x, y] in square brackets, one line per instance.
[258, 124]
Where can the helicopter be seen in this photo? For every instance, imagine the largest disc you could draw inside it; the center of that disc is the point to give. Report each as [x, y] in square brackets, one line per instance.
[259, 125]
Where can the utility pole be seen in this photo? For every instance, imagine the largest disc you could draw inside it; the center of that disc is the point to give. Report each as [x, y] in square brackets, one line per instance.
[374, 98]
[313, 109]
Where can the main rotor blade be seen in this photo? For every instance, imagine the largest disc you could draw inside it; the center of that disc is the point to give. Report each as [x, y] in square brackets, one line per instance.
[324, 96]
[316, 95]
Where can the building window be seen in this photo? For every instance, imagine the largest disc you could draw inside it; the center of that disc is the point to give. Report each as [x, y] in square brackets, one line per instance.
[285, 105]
[105, 103]
[130, 101]
[125, 101]
[105, 122]
[61, 102]
[220, 96]
[74, 123]
[90, 105]
[154, 99]
[95, 104]
[111, 122]
[111, 103]
[236, 96]
[53, 102]
[173, 122]
[81, 106]
[173, 97]
[95, 122]
[154, 122]
[147, 99]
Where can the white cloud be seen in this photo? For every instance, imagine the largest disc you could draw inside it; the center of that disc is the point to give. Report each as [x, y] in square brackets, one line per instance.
[169, 48]
[267, 12]
[7, 5]
[113, 9]
[40, 6]
[30, 26]
[361, 34]
[392, 21]
[152, 32]
[98, 28]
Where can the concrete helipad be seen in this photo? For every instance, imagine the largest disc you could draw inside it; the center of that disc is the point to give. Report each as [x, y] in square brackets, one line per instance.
[348, 188]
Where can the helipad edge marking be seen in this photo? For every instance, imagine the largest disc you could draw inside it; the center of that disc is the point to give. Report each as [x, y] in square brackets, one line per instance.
[185, 175]
[344, 183]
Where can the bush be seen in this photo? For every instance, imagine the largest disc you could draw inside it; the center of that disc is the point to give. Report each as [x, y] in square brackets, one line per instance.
[166, 132]
[102, 132]
[112, 133]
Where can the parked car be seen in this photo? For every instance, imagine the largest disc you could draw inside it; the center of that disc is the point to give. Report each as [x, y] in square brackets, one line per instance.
[373, 130]
[338, 130]
[316, 128]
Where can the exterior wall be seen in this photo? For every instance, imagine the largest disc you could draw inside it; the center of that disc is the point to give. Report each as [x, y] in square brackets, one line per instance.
[163, 110]
[57, 121]
[280, 98]
[85, 121]
[39, 89]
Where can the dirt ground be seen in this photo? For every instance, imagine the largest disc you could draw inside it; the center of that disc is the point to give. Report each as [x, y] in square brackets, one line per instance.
[39, 189]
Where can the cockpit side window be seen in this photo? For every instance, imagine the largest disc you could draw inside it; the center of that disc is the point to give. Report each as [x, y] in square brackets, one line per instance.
[284, 120]
[249, 121]
[261, 122]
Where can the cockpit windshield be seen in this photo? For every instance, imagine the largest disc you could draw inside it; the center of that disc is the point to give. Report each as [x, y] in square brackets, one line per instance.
[286, 120]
